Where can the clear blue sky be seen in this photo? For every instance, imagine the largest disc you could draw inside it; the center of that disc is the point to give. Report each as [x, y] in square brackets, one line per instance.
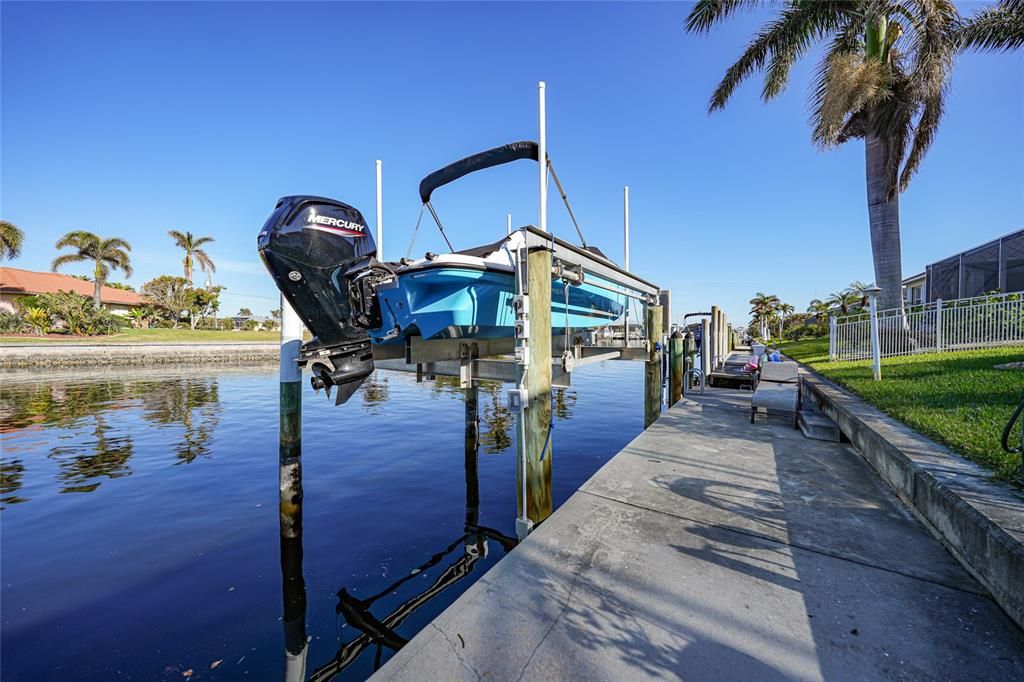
[130, 119]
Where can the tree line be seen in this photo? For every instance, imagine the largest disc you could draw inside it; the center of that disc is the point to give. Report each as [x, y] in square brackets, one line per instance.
[170, 300]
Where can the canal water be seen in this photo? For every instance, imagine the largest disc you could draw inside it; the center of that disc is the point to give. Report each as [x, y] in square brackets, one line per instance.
[139, 531]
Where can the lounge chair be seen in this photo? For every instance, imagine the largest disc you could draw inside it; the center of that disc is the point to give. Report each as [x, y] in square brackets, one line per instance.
[778, 390]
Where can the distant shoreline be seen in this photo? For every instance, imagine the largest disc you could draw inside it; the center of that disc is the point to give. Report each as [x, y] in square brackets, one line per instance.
[86, 354]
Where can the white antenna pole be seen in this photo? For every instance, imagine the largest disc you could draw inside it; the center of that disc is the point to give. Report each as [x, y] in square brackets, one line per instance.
[380, 214]
[508, 224]
[542, 159]
[625, 224]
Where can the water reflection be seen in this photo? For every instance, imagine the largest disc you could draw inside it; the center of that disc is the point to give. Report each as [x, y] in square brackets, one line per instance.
[91, 405]
[193, 405]
[380, 632]
[375, 392]
[11, 473]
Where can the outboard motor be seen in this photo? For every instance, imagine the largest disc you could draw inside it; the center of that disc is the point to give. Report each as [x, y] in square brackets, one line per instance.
[322, 257]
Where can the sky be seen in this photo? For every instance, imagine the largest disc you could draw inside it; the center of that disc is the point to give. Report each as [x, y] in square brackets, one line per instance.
[132, 119]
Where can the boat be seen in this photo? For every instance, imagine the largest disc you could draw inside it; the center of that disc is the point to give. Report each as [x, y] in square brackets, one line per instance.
[322, 257]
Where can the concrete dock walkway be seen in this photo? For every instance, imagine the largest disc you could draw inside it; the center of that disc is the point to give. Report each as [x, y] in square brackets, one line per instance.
[710, 548]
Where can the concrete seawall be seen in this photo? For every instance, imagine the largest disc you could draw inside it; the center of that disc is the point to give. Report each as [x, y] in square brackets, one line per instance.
[981, 522]
[712, 548]
[14, 356]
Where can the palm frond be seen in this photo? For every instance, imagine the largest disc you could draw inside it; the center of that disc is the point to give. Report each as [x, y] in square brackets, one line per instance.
[706, 13]
[78, 239]
[783, 41]
[115, 243]
[924, 135]
[202, 240]
[993, 29]
[204, 261]
[64, 259]
[800, 26]
[179, 237]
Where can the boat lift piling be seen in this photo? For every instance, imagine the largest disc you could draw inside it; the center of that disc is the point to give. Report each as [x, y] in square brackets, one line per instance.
[652, 368]
[290, 487]
[675, 370]
[380, 213]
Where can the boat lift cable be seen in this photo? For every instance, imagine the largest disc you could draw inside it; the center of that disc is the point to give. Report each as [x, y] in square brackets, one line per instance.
[565, 200]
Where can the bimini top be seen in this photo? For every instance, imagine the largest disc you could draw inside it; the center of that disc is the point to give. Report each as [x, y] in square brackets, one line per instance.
[524, 149]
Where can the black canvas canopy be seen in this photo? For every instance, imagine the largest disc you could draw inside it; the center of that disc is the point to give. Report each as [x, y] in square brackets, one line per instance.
[524, 149]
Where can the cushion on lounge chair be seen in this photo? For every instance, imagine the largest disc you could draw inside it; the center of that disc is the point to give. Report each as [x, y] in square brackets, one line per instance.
[780, 372]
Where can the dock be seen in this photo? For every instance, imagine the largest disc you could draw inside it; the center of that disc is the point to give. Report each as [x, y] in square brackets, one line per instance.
[712, 548]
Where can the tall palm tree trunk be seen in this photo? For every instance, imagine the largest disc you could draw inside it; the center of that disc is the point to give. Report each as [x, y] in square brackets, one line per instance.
[884, 216]
[97, 285]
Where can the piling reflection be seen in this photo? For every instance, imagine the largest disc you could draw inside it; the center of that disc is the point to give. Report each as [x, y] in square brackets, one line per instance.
[381, 632]
[103, 446]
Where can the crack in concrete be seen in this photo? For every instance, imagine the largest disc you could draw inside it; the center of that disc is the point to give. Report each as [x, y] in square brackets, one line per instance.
[462, 659]
[565, 607]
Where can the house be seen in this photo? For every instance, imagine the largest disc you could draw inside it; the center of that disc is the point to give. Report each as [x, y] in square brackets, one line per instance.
[242, 321]
[997, 264]
[15, 283]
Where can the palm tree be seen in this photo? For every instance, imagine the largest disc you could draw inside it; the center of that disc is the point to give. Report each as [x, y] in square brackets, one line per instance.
[883, 79]
[841, 301]
[762, 307]
[994, 28]
[191, 244]
[785, 310]
[11, 239]
[861, 290]
[104, 253]
[820, 309]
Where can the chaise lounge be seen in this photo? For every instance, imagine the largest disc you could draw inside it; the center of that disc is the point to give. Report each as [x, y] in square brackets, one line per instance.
[778, 390]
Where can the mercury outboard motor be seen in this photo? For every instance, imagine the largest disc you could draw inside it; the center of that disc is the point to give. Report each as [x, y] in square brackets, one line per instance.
[322, 257]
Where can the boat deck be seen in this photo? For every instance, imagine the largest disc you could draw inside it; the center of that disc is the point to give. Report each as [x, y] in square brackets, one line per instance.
[710, 548]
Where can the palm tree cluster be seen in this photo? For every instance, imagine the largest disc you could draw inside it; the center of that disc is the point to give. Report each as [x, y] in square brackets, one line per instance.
[766, 310]
[843, 302]
[883, 78]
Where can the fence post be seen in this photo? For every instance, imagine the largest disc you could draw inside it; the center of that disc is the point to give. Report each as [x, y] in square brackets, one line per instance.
[833, 351]
[938, 326]
[876, 351]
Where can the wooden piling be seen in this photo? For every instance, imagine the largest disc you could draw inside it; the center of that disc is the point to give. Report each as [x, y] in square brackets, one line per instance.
[652, 368]
[705, 348]
[538, 438]
[715, 346]
[688, 352]
[675, 373]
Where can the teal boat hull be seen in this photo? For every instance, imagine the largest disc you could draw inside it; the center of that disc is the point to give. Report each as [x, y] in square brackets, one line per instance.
[463, 302]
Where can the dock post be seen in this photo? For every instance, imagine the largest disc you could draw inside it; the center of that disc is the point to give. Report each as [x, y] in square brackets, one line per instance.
[675, 373]
[535, 442]
[652, 368]
[705, 348]
[687, 358]
[290, 487]
[715, 332]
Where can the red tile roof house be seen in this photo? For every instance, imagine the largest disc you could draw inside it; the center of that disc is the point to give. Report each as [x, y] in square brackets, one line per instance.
[15, 283]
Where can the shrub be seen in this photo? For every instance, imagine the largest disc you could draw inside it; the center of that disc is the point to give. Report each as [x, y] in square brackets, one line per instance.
[11, 323]
[38, 319]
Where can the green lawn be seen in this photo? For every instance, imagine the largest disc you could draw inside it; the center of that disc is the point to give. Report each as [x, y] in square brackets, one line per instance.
[955, 398]
[153, 336]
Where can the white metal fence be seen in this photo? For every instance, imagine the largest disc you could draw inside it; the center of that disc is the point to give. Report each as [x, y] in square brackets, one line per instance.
[961, 324]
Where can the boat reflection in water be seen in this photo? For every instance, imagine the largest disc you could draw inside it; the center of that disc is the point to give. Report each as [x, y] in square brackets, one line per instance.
[379, 631]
